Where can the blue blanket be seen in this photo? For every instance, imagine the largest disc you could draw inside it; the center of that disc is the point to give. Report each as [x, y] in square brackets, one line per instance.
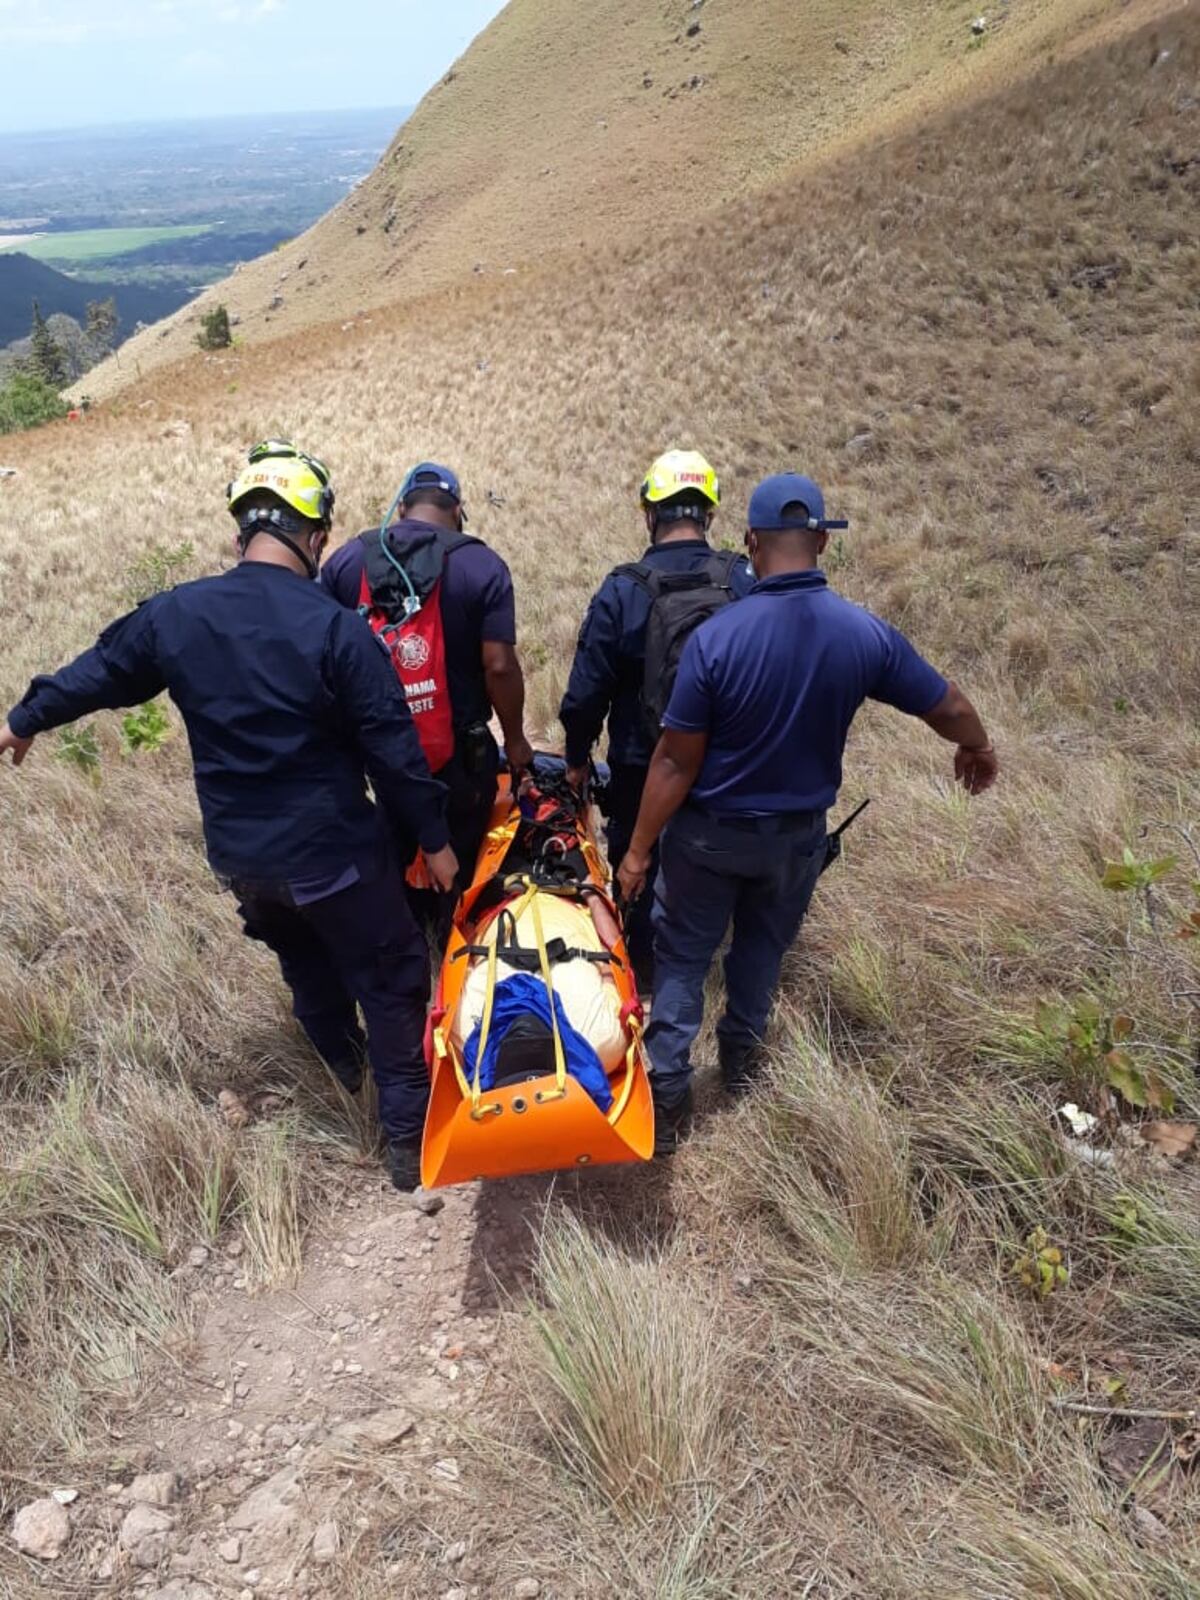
[525, 995]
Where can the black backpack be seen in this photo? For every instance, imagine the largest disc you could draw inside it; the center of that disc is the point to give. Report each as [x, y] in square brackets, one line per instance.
[679, 603]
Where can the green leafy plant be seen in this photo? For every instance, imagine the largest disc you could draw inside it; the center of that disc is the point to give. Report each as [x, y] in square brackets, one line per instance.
[1131, 875]
[147, 728]
[1094, 1044]
[154, 570]
[27, 400]
[77, 746]
[1041, 1269]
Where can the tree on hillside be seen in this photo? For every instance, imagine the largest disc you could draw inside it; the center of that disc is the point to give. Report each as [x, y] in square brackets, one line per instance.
[215, 332]
[102, 323]
[45, 357]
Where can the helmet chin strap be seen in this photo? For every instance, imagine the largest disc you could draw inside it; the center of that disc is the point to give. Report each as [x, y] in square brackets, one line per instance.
[277, 525]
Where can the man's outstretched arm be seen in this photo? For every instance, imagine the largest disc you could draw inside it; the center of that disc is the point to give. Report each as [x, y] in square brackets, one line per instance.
[121, 669]
[958, 722]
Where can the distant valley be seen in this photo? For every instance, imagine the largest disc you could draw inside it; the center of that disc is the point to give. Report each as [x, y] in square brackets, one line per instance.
[151, 213]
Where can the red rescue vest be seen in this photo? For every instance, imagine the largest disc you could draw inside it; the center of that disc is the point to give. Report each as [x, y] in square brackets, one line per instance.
[401, 597]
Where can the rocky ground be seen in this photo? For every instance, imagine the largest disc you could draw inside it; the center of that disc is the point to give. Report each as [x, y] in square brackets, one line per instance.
[265, 1465]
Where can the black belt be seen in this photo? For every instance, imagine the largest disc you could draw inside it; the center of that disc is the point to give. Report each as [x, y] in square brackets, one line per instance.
[774, 822]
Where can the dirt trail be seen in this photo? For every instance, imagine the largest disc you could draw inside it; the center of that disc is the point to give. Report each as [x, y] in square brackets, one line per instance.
[308, 1418]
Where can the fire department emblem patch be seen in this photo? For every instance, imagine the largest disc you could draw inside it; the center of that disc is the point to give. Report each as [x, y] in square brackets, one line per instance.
[413, 652]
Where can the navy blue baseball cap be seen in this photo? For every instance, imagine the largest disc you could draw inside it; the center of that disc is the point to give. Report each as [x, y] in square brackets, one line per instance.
[789, 489]
[428, 475]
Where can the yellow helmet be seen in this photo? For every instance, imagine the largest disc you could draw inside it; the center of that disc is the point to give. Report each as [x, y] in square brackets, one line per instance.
[299, 481]
[677, 472]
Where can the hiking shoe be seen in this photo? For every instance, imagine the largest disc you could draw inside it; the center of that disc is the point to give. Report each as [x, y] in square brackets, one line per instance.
[741, 1066]
[671, 1125]
[404, 1164]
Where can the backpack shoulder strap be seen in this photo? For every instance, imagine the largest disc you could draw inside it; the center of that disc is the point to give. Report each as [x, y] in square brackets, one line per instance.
[720, 566]
[646, 577]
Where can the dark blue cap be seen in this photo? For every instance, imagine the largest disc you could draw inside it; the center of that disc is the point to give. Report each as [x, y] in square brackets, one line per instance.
[428, 475]
[788, 489]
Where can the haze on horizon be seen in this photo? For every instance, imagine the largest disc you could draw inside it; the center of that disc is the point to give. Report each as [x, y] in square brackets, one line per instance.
[90, 63]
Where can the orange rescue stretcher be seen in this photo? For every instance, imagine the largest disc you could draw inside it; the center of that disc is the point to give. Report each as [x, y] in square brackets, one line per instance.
[544, 1120]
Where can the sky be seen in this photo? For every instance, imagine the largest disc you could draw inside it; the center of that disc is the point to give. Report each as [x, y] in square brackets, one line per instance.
[82, 63]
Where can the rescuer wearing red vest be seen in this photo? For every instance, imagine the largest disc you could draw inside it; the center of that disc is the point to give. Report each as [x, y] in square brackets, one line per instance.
[454, 651]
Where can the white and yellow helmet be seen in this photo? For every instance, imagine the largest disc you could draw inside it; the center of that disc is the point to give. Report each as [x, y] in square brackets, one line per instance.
[678, 472]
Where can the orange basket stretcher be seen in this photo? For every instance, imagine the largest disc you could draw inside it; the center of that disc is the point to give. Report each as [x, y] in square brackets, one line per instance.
[542, 1123]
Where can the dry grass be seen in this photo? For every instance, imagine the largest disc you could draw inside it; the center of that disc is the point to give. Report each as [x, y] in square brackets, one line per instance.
[857, 1395]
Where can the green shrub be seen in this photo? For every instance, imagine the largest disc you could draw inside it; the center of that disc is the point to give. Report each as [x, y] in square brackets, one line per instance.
[26, 401]
[215, 332]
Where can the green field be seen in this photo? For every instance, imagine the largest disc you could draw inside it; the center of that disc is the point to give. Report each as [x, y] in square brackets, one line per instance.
[97, 244]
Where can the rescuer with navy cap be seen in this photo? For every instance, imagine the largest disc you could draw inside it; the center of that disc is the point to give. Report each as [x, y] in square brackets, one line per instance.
[747, 768]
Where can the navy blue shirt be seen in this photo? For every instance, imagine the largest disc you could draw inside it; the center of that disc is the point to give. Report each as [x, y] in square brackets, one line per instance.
[290, 705]
[775, 682]
[610, 658]
[477, 608]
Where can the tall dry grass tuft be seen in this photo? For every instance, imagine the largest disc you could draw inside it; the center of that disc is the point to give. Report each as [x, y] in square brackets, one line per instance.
[627, 1373]
[827, 1159]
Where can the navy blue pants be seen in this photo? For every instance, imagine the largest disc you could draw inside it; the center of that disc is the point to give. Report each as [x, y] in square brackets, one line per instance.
[756, 873]
[625, 787]
[357, 948]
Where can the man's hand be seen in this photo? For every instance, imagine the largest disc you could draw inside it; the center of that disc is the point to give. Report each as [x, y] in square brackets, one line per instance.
[632, 875]
[9, 741]
[520, 755]
[976, 769]
[443, 869]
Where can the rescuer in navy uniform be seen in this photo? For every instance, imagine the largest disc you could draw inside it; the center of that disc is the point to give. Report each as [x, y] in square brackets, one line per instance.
[749, 763]
[290, 706]
[679, 497]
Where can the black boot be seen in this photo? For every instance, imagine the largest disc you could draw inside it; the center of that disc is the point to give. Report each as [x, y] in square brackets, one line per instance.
[671, 1123]
[741, 1066]
[348, 1074]
[404, 1164]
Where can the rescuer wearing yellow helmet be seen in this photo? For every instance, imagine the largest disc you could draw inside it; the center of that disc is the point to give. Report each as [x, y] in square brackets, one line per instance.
[630, 643]
[290, 705]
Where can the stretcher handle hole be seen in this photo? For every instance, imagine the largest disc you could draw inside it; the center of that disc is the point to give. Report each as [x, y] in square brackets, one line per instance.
[520, 1104]
[582, 1161]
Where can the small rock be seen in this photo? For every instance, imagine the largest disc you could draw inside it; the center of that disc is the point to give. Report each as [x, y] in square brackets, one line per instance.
[1148, 1525]
[145, 1533]
[271, 1507]
[234, 1249]
[197, 1256]
[456, 1552]
[230, 1550]
[326, 1543]
[527, 1589]
[456, 1594]
[447, 1469]
[858, 444]
[65, 1497]
[154, 1489]
[42, 1529]
[252, 1578]
[8, 472]
[428, 1203]
[233, 1108]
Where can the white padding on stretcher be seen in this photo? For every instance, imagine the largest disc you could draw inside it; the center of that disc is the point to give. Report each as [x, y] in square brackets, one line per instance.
[586, 988]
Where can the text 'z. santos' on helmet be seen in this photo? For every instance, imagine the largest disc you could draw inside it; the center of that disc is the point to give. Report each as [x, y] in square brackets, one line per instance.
[298, 480]
[681, 472]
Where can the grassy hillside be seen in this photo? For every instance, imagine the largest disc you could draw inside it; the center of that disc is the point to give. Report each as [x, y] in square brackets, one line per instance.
[802, 1361]
[567, 128]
